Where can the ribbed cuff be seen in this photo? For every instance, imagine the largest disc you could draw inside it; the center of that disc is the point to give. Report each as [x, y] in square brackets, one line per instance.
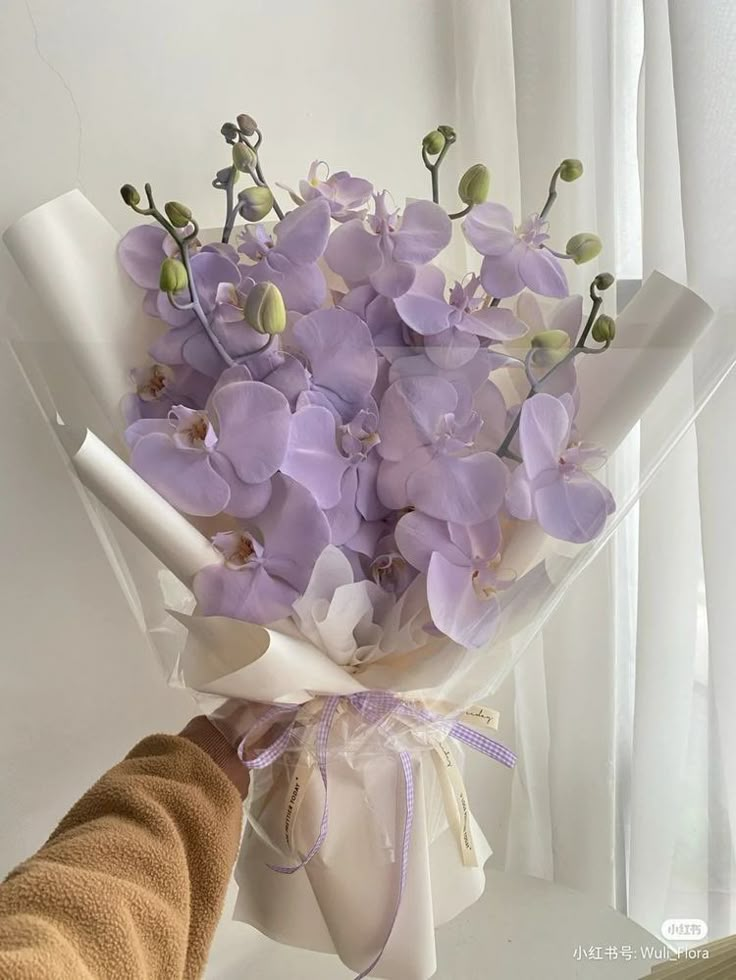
[205, 736]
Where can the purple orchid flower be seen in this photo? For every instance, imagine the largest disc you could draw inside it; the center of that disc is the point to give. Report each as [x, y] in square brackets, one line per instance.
[463, 575]
[453, 330]
[386, 248]
[391, 336]
[346, 195]
[160, 387]
[551, 485]
[341, 359]
[221, 459]
[269, 562]
[425, 445]
[338, 465]
[288, 257]
[515, 257]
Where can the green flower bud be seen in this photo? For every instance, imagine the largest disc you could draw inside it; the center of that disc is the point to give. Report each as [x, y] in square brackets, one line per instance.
[434, 143]
[550, 347]
[244, 157]
[551, 339]
[264, 308]
[229, 131]
[246, 124]
[603, 281]
[173, 276]
[604, 329]
[583, 247]
[448, 132]
[570, 170]
[474, 184]
[255, 203]
[130, 195]
[178, 214]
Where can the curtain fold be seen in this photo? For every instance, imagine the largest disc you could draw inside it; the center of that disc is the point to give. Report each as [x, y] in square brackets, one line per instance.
[624, 717]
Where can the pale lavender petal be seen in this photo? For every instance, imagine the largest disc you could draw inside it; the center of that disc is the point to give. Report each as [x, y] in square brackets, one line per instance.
[246, 499]
[183, 476]
[303, 233]
[199, 352]
[209, 270]
[425, 230]
[490, 229]
[568, 316]
[393, 476]
[341, 357]
[365, 541]
[500, 274]
[167, 312]
[366, 498]
[344, 519]
[290, 378]
[144, 427]
[451, 349]
[410, 413]
[464, 490]
[573, 508]
[350, 192]
[393, 278]
[480, 542]
[542, 273]
[456, 609]
[167, 348]
[423, 313]
[519, 495]
[353, 252]
[141, 252]
[544, 431]
[529, 310]
[254, 422]
[418, 537]
[494, 323]
[313, 458]
[294, 527]
[247, 593]
[465, 380]
[490, 404]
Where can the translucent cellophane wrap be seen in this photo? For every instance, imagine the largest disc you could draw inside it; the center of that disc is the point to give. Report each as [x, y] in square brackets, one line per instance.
[336, 653]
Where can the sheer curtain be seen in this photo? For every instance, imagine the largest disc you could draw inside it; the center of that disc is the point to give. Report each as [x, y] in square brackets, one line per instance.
[624, 715]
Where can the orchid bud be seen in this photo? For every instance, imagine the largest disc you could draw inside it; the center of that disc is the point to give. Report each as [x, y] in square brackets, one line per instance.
[255, 203]
[603, 281]
[570, 170]
[130, 195]
[583, 247]
[604, 329]
[229, 131]
[173, 276]
[434, 143]
[552, 346]
[246, 124]
[264, 308]
[474, 184]
[178, 214]
[448, 132]
[244, 157]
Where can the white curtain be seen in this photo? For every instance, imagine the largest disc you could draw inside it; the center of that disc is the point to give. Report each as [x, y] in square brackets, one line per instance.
[625, 707]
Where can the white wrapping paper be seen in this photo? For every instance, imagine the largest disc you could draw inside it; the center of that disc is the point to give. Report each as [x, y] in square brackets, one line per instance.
[343, 900]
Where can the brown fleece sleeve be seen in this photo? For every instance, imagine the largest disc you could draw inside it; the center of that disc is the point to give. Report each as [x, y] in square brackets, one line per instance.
[132, 882]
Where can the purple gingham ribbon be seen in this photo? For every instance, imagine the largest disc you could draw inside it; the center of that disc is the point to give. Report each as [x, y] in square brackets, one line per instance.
[375, 707]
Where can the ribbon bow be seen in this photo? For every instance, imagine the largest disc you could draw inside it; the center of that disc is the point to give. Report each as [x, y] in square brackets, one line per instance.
[375, 707]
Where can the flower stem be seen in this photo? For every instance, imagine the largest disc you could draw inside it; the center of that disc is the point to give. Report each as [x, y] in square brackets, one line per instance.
[551, 196]
[230, 209]
[461, 214]
[535, 386]
[259, 170]
[434, 169]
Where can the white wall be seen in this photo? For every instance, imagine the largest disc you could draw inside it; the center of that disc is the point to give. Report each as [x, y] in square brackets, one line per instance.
[94, 93]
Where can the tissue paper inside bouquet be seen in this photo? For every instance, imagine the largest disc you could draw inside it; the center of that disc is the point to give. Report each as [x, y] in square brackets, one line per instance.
[338, 485]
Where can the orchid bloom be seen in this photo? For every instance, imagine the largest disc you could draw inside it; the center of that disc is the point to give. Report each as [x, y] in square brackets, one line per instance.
[288, 257]
[159, 387]
[386, 249]
[514, 257]
[453, 328]
[221, 459]
[268, 562]
[427, 431]
[463, 574]
[346, 195]
[551, 485]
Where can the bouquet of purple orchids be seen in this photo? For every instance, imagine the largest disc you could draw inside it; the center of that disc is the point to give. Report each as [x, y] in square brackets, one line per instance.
[319, 384]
